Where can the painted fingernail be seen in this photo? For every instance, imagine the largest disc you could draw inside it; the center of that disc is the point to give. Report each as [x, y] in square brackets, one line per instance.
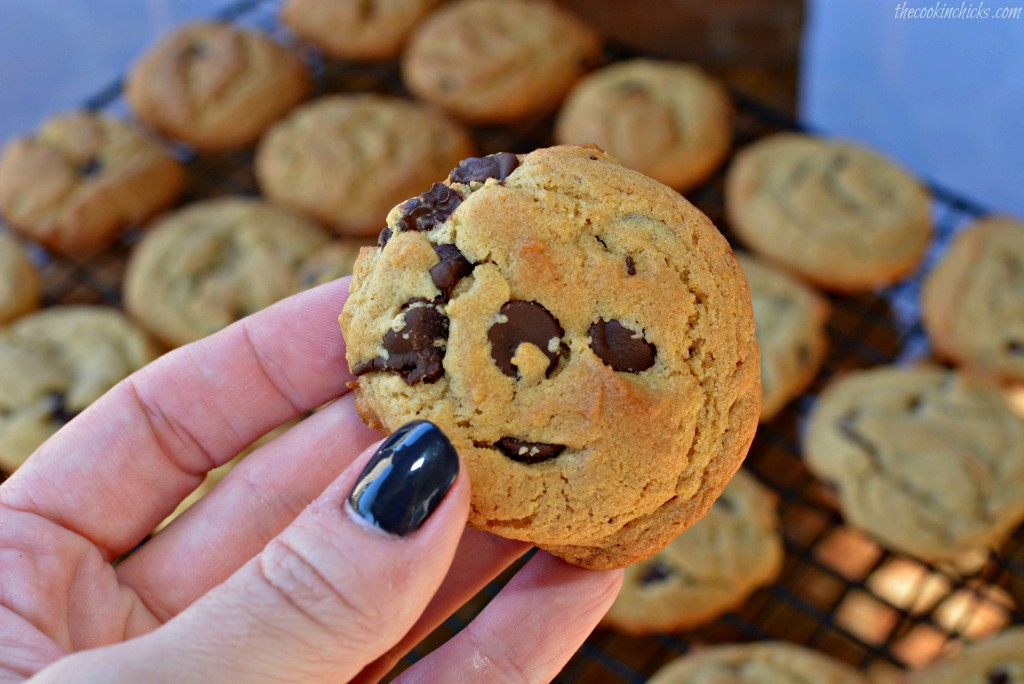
[406, 479]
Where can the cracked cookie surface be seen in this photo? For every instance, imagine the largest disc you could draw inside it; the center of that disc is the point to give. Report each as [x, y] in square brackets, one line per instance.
[498, 61]
[215, 86]
[790, 320]
[347, 159]
[598, 444]
[75, 184]
[766, 662]
[20, 287]
[995, 660]
[838, 215]
[709, 569]
[215, 262]
[973, 300]
[53, 364]
[356, 29]
[671, 122]
[927, 461]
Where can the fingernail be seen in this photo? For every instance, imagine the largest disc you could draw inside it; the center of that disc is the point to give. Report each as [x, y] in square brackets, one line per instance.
[406, 479]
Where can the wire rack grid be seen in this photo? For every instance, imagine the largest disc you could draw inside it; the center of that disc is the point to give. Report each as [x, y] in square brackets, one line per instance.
[838, 592]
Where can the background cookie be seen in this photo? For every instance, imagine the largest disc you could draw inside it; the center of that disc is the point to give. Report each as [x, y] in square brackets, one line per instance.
[790, 320]
[769, 662]
[973, 300]
[356, 29]
[669, 121]
[53, 364]
[348, 159]
[213, 263]
[20, 288]
[708, 569]
[927, 461]
[329, 263]
[839, 215]
[496, 61]
[995, 660]
[537, 310]
[82, 178]
[215, 86]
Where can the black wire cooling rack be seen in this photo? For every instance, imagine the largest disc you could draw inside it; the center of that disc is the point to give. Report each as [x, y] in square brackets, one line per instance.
[838, 592]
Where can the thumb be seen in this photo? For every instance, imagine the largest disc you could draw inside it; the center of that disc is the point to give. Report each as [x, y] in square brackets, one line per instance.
[335, 590]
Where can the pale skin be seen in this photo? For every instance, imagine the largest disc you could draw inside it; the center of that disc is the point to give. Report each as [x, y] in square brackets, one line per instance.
[270, 578]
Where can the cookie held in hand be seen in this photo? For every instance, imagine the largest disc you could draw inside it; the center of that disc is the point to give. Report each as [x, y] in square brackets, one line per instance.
[583, 335]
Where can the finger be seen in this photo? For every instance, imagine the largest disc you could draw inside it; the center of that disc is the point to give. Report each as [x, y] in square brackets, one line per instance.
[259, 498]
[480, 558]
[330, 593]
[529, 631]
[142, 447]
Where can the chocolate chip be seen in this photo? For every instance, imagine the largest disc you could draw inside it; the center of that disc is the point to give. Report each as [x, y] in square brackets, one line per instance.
[1015, 347]
[424, 212]
[630, 265]
[524, 322]
[196, 50]
[620, 347]
[59, 408]
[416, 352]
[90, 167]
[656, 572]
[451, 268]
[479, 169]
[999, 676]
[383, 238]
[593, 158]
[528, 452]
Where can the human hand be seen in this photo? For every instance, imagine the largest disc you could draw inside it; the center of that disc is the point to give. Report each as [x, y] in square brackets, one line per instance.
[272, 577]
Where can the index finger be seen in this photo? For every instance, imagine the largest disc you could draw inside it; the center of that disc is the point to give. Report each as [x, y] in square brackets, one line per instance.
[115, 471]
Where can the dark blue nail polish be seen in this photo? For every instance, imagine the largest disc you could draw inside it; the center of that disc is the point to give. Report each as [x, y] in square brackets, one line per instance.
[406, 479]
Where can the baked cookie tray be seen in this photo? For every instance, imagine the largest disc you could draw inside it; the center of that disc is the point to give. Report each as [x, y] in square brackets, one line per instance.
[838, 592]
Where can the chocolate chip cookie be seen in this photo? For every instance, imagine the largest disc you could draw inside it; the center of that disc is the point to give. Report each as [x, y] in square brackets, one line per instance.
[928, 461]
[838, 215]
[973, 301]
[53, 364]
[583, 335]
[497, 61]
[215, 86]
[215, 262]
[82, 178]
[20, 288]
[709, 569]
[347, 159]
[669, 121]
[767, 662]
[356, 29]
[995, 660]
[790, 319]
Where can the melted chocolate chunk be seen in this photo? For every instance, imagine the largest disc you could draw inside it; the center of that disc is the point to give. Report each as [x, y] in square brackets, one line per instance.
[620, 347]
[630, 265]
[59, 409]
[1015, 347]
[656, 572]
[431, 207]
[90, 167]
[999, 676]
[416, 352]
[451, 268]
[524, 322]
[528, 452]
[479, 169]
[383, 238]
